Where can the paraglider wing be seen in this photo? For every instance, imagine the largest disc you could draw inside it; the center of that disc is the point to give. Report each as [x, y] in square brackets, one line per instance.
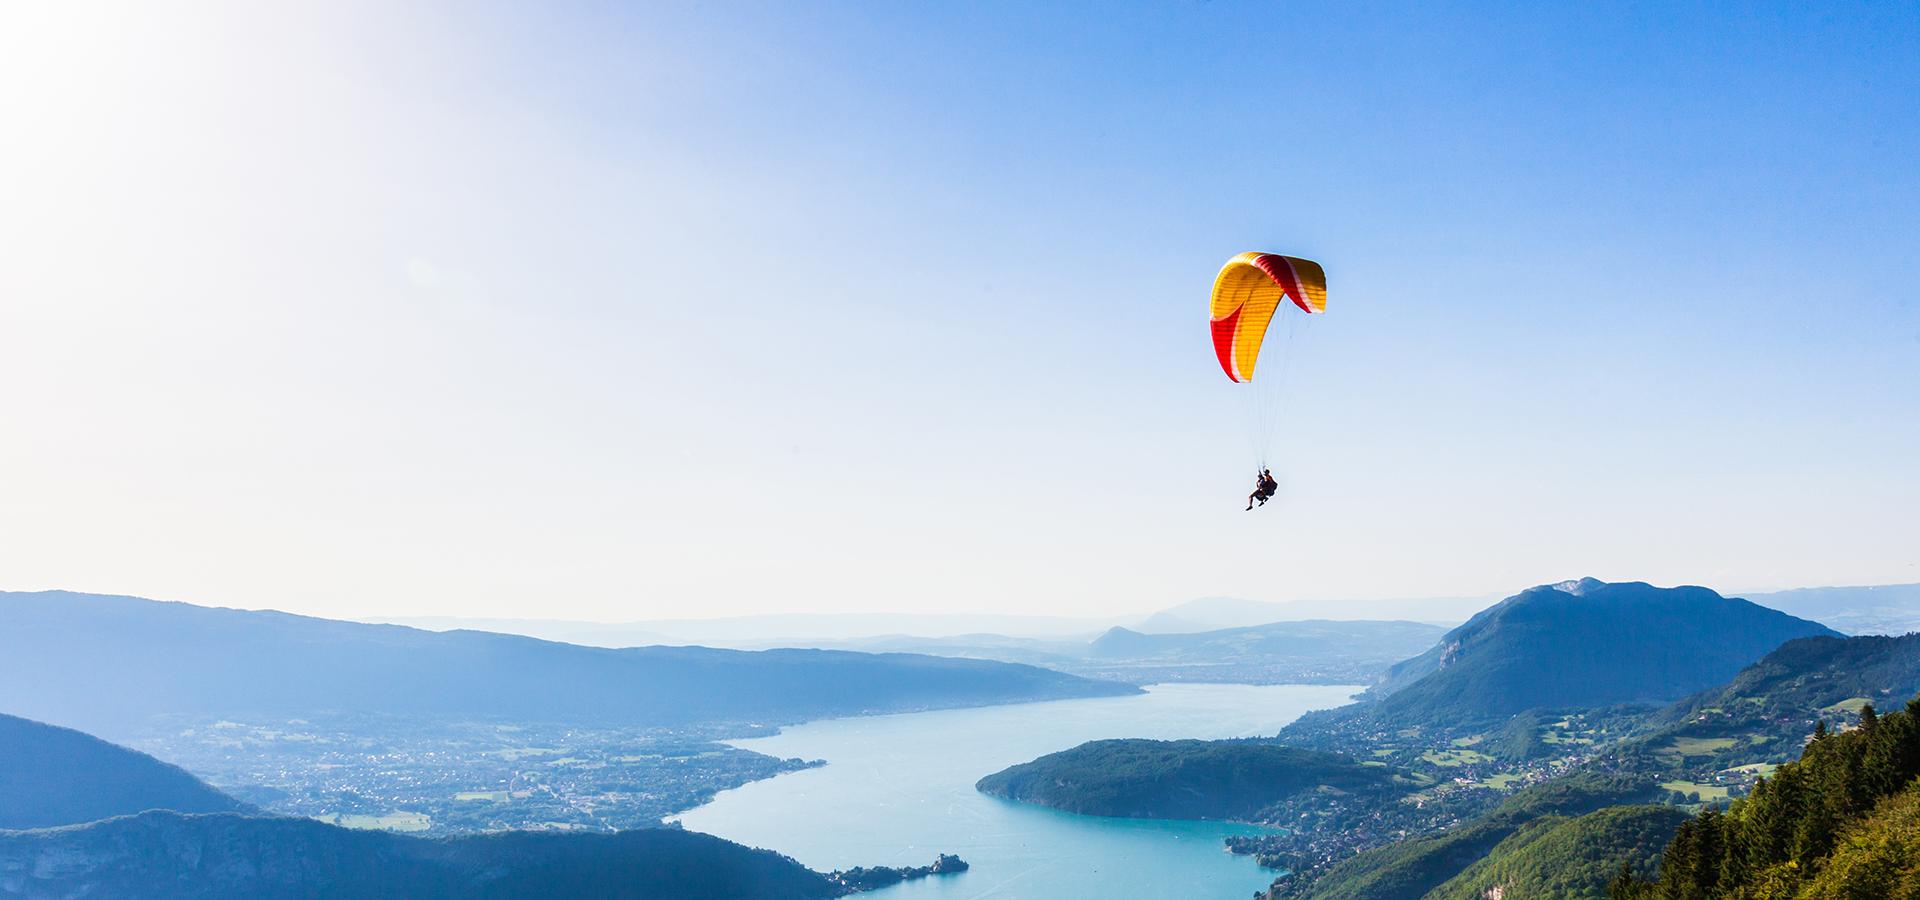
[1246, 294]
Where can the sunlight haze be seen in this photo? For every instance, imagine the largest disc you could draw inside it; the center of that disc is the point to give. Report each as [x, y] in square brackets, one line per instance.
[634, 312]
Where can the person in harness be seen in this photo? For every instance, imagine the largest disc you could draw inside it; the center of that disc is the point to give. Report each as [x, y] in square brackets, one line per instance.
[1263, 488]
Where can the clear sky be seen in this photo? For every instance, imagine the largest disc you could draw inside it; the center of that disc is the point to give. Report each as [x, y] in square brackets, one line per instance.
[623, 311]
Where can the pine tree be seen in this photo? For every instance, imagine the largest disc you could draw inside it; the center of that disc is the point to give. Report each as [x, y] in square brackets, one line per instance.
[1780, 837]
[1625, 886]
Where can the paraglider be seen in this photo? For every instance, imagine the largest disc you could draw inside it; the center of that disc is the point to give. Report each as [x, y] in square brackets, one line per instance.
[1247, 294]
[1263, 488]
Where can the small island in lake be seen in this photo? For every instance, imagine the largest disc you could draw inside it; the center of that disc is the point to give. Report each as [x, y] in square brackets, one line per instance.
[865, 878]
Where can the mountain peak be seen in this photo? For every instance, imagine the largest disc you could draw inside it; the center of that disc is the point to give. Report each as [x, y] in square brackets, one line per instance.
[1619, 642]
[1579, 586]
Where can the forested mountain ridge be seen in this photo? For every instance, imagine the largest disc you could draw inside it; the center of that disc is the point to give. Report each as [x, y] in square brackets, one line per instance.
[1412, 867]
[108, 664]
[1559, 858]
[1765, 713]
[1841, 822]
[57, 776]
[1712, 741]
[162, 855]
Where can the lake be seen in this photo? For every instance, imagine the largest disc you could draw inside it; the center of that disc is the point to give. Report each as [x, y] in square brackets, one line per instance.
[898, 789]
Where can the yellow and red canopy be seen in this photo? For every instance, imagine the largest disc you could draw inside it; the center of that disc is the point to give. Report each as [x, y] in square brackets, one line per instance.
[1246, 294]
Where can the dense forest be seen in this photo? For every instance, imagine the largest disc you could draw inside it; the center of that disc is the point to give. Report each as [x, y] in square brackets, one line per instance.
[1842, 822]
[1568, 858]
[1184, 779]
[1412, 867]
[159, 855]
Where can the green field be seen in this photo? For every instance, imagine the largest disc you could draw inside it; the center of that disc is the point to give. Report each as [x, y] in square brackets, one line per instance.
[1450, 758]
[399, 821]
[1692, 746]
[1850, 706]
[491, 796]
[1707, 792]
[1556, 737]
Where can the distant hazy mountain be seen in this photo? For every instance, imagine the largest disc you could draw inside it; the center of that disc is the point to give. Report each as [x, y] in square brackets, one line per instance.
[1210, 613]
[1314, 638]
[1052, 653]
[756, 632]
[849, 630]
[169, 855]
[57, 776]
[1582, 643]
[1183, 779]
[1880, 609]
[1315, 652]
[1213, 613]
[109, 664]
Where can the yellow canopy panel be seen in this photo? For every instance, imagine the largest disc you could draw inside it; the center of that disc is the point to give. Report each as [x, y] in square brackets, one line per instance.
[1246, 294]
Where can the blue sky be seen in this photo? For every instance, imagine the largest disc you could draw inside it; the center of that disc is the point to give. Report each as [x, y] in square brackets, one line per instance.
[631, 311]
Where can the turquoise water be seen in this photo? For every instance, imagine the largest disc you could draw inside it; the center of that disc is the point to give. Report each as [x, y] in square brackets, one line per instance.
[898, 789]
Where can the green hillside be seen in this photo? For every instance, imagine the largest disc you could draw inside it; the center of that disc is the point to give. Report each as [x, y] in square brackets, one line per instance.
[1413, 867]
[1766, 712]
[1567, 858]
[1183, 779]
[1839, 822]
[1710, 744]
[57, 776]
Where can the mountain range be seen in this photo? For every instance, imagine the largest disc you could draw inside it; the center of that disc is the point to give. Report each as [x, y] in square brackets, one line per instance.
[1890, 609]
[110, 664]
[846, 630]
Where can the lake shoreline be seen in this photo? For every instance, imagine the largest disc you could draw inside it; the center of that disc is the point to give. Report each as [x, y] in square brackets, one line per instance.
[899, 786]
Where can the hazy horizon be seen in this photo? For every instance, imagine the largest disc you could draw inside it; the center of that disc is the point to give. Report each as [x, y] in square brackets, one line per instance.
[1437, 610]
[620, 314]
